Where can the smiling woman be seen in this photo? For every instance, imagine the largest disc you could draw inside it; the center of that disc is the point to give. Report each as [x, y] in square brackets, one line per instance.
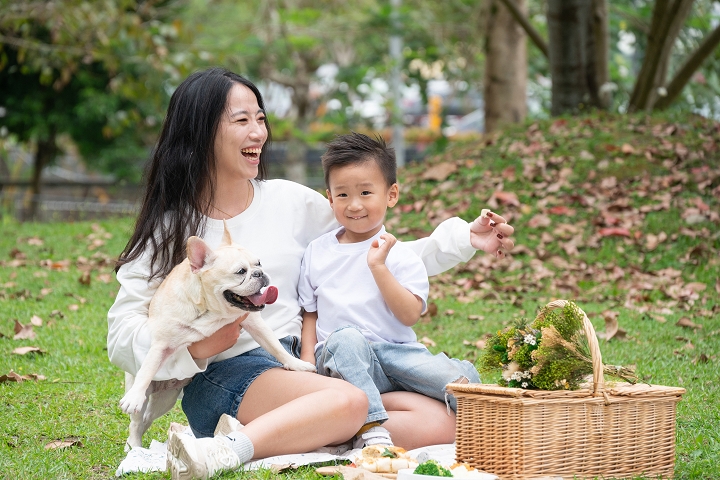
[209, 164]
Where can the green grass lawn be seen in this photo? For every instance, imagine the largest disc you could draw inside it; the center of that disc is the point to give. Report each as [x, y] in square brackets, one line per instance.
[619, 214]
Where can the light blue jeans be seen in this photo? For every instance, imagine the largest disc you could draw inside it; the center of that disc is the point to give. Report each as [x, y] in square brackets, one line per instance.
[381, 367]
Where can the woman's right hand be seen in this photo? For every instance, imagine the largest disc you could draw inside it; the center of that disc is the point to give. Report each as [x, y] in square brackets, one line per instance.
[219, 341]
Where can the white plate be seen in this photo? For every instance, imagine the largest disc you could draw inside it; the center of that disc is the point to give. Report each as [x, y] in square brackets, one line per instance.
[407, 474]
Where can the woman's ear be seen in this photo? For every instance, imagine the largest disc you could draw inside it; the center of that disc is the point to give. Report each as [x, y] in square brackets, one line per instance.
[393, 195]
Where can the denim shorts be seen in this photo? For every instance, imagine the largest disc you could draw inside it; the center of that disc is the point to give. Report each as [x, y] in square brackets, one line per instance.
[221, 387]
[381, 367]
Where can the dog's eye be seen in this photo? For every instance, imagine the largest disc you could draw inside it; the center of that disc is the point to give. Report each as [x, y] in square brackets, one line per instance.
[242, 271]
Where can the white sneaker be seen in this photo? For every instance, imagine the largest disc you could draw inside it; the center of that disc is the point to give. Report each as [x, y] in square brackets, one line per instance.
[227, 425]
[189, 457]
[374, 436]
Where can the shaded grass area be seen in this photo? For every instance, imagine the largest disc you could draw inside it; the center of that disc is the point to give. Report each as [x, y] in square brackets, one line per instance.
[656, 178]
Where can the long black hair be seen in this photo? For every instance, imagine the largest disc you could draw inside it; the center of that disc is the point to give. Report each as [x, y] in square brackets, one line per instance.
[180, 177]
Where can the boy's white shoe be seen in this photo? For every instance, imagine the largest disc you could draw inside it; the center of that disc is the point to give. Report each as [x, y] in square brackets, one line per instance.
[374, 436]
[189, 457]
[227, 425]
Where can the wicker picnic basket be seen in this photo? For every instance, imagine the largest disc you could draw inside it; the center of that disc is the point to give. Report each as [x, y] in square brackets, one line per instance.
[618, 431]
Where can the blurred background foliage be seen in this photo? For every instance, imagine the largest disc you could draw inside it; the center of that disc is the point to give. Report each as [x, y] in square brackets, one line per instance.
[98, 75]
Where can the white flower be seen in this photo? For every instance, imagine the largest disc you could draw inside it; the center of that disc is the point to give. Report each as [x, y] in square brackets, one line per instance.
[530, 339]
[510, 370]
[524, 384]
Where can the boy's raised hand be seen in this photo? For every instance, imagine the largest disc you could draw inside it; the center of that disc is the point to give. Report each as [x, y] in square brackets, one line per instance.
[490, 233]
[379, 250]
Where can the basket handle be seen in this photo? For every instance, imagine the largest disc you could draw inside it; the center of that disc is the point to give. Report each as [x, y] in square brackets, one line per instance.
[598, 379]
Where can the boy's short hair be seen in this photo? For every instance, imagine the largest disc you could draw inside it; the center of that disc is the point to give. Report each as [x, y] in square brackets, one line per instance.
[354, 148]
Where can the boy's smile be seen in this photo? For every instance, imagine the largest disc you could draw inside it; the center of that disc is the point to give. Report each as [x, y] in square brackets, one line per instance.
[360, 196]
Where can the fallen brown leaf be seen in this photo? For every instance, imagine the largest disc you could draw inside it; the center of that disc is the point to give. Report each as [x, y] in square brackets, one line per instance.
[105, 278]
[26, 350]
[506, 198]
[432, 309]
[612, 327]
[16, 377]
[687, 323]
[64, 443]
[696, 287]
[440, 172]
[85, 278]
[23, 332]
[428, 341]
[37, 321]
[614, 231]
[627, 149]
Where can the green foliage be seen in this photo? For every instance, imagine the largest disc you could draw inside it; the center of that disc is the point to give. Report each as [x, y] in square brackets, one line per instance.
[98, 78]
[568, 321]
[432, 468]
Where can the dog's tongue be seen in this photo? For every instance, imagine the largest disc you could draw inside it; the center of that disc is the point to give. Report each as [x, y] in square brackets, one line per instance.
[268, 296]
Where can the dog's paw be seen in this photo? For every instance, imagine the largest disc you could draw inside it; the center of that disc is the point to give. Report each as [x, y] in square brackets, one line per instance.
[299, 365]
[132, 403]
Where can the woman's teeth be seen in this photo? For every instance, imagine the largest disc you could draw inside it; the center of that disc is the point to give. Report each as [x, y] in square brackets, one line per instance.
[251, 151]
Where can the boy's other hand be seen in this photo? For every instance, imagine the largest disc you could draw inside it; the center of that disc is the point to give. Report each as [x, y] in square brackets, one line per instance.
[491, 233]
[379, 250]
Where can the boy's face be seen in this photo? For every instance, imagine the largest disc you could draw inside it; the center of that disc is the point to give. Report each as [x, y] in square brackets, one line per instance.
[360, 196]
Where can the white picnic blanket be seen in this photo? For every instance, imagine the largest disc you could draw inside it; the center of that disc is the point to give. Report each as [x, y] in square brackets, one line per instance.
[152, 459]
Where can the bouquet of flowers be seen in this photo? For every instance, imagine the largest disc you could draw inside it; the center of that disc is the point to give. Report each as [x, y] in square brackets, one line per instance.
[551, 353]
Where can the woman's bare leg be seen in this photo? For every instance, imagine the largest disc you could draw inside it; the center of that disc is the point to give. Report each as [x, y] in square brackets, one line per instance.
[291, 412]
[417, 421]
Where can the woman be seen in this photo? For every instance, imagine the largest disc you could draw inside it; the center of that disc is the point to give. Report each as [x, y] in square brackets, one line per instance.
[209, 166]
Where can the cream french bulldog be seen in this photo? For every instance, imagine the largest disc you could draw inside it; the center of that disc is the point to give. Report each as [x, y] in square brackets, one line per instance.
[208, 290]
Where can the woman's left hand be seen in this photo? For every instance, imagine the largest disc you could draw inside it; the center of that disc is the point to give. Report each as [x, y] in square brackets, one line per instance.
[491, 233]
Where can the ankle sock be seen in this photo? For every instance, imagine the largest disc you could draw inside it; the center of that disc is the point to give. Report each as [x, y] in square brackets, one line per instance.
[241, 445]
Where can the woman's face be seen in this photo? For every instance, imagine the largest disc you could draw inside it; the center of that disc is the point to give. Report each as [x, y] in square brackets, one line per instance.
[241, 135]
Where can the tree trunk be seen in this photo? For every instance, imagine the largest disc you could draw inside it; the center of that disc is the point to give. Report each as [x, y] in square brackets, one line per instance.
[296, 153]
[572, 56]
[45, 153]
[601, 33]
[505, 67]
[667, 20]
[521, 17]
[691, 64]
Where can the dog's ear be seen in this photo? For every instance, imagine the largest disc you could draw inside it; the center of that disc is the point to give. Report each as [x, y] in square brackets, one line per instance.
[199, 254]
[226, 238]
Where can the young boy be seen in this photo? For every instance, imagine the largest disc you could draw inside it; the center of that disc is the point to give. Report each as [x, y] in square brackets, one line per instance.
[362, 291]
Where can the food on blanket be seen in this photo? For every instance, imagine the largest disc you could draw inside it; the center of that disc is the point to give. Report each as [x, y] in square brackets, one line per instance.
[464, 470]
[432, 468]
[382, 459]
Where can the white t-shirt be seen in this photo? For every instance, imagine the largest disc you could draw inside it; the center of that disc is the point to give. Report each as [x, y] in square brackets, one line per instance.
[282, 220]
[336, 282]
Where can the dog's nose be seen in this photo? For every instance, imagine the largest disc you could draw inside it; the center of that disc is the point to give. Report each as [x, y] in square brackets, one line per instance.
[257, 273]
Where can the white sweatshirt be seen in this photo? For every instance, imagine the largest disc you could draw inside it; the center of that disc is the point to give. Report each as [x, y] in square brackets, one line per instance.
[282, 220]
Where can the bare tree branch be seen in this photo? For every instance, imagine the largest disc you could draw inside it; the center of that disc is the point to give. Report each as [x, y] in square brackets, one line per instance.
[691, 64]
[668, 17]
[40, 46]
[534, 35]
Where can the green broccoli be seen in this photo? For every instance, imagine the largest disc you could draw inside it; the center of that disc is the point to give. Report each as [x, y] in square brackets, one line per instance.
[433, 468]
